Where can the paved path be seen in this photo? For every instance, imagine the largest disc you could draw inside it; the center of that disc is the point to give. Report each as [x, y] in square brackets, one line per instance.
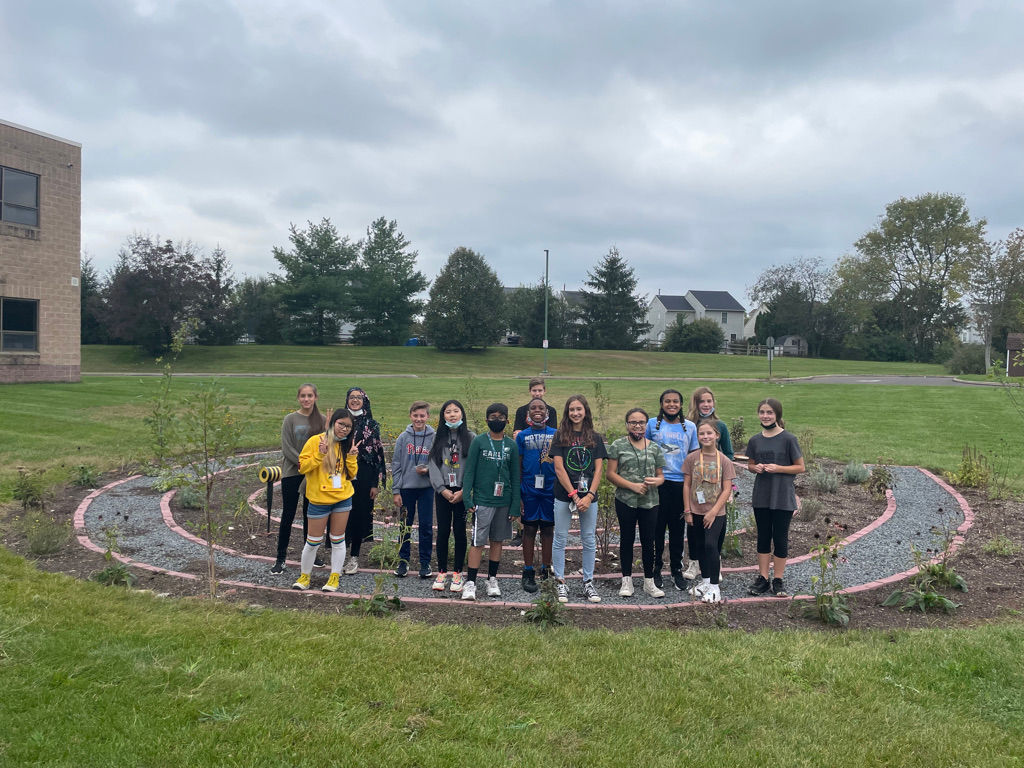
[900, 381]
[148, 537]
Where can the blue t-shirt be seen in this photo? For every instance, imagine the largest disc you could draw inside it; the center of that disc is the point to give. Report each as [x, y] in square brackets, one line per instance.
[676, 440]
[534, 445]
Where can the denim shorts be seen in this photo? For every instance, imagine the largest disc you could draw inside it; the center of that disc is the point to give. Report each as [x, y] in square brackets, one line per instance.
[318, 511]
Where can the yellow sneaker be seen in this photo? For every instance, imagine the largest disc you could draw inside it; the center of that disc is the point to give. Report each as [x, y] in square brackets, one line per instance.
[302, 582]
[332, 582]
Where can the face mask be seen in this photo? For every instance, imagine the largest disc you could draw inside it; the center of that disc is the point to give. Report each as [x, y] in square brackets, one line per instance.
[356, 413]
[767, 427]
[709, 413]
[636, 433]
[496, 425]
[540, 423]
[453, 424]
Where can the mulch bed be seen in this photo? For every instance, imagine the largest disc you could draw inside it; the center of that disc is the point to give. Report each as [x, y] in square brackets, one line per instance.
[996, 583]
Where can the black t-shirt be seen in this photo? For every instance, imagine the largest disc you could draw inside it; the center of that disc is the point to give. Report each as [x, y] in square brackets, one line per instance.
[578, 461]
[523, 410]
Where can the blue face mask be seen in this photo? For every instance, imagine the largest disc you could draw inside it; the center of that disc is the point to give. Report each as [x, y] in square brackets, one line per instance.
[453, 424]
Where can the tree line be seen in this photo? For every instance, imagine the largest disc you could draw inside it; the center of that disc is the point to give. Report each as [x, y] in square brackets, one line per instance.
[327, 279]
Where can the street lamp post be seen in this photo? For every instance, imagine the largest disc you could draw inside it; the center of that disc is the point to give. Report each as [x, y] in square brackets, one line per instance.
[546, 292]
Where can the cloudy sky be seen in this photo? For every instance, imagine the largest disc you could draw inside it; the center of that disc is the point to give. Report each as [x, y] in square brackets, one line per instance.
[705, 140]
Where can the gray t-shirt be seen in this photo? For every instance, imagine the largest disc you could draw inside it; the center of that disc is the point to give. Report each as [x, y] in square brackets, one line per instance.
[773, 490]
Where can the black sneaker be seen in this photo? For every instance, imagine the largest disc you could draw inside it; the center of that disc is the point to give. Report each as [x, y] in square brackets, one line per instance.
[319, 561]
[658, 581]
[517, 540]
[679, 580]
[529, 582]
[777, 589]
[544, 573]
[760, 586]
[402, 570]
[278, 567]
[425, 572]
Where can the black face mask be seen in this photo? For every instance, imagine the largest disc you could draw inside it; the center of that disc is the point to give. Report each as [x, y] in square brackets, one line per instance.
[769, 427]
[497, 425]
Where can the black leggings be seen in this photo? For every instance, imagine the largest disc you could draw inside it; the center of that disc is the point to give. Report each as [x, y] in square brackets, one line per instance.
[670, 516]
[289, 504]
[450, 517]
[629, 519]
[360, 519]
[705, 542]
[772, 528]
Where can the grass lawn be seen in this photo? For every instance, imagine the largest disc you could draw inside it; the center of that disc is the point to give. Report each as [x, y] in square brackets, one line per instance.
[101, 676]
[496, 361]
[99, 421]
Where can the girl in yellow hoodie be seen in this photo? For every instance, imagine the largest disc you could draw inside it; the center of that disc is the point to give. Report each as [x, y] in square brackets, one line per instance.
[328, 461]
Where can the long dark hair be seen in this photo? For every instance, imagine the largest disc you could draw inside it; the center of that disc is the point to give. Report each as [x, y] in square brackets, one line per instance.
[445, 435]
[776, 406]
[316, 419]
[661, 407]
[331, 457]
[564, 435]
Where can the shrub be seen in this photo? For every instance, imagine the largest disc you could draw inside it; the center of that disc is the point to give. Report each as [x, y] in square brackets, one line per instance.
[190, 498]
[737, 431]
[855, 473]
[881, 479]
[810, 509]
[703, 335]
[85, 476]
[30, 488]
[974, 471]
[968, 359]
[823, 480]
[546, 611]
[44, 535]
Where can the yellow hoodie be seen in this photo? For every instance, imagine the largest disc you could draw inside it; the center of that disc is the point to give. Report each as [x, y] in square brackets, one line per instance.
[319, 488]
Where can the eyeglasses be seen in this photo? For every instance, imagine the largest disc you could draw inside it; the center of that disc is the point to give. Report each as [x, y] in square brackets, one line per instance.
[346, 427]
[636, 423]
[355, 397]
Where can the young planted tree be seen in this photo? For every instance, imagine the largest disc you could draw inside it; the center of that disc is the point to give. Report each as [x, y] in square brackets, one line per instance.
[466, 307]
[614, 318]
[316, 291]
[385, 285]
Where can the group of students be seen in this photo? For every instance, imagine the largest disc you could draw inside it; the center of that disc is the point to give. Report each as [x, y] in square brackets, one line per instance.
[673, 473]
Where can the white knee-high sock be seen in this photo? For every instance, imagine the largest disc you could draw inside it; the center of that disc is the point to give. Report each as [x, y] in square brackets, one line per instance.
[309, 553]
[337, 553]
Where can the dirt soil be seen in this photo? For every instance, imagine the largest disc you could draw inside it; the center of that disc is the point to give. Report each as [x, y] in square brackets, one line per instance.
[995, 581]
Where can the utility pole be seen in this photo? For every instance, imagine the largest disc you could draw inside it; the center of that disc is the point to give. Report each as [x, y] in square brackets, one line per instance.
[547, 290]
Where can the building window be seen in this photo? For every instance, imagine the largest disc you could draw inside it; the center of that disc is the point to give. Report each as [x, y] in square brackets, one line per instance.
[725, 318]
[19, 325]
[19, 197]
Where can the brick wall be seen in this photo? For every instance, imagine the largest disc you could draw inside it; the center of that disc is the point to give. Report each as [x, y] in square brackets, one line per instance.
[44, 262]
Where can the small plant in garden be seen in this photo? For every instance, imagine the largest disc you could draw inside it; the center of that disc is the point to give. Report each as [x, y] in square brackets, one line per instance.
[974, 470]
[732, 547]
[29, 488]
[190, 498]
[384, 598]
[809, 509]
[1002, 546]
[85, 476]
[828, 605]
[806, 440]
[823, 480]
[855, 473]
[162, 413]
[44, 534]
[923, 593]
[880, 481]
[737, 432]
[116, 574]
[546, 611]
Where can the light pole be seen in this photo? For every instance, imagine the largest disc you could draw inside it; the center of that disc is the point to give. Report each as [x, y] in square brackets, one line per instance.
[546, 292]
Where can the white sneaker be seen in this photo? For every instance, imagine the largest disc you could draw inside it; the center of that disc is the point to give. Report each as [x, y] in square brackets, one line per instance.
[351, 566]
[698, 590]
[721, 578]
[651, 590]
[469, 590]
[626, 590]
[692, 570]
[562, 591]
[438, 585]
[713, 594]
[493, 590]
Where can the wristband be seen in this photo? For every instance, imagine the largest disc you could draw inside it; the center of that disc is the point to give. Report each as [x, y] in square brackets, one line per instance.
[572, 494]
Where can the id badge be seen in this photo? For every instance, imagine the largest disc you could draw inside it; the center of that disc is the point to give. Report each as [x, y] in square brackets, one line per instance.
[700, 497]
[336, 481]
[584, 484]
[538, 482]
[451, 479]
[499, 489]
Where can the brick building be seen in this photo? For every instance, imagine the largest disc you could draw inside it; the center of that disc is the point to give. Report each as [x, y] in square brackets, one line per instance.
[40, 256]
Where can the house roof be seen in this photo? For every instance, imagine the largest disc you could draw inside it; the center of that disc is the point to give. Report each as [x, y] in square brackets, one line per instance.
[575, 298]
[721, 300]
[674, 303]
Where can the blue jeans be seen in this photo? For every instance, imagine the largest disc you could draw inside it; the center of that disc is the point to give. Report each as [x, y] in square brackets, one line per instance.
[588, 534]
[421, 501]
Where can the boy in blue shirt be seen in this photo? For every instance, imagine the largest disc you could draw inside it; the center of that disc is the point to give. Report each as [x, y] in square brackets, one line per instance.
[538, 489]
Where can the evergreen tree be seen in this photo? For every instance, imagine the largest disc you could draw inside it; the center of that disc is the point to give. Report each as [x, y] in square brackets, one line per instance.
[525, 316]
[466, 303]
[257, 302]
[93, 330]
[614, 318]
[386, 282]
[218, 320]
[317, 286]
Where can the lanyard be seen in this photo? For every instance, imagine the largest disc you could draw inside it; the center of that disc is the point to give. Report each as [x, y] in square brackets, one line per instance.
[717, 478]
[453, 453]
[501, 460]
[416, 450]
[643, 467]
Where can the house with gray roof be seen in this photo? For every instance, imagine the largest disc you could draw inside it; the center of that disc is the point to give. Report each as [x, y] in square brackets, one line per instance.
[662, 313]
[719, 306]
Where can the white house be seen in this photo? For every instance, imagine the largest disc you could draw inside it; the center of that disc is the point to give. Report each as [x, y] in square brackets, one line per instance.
[721, 307]
[662, 313]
